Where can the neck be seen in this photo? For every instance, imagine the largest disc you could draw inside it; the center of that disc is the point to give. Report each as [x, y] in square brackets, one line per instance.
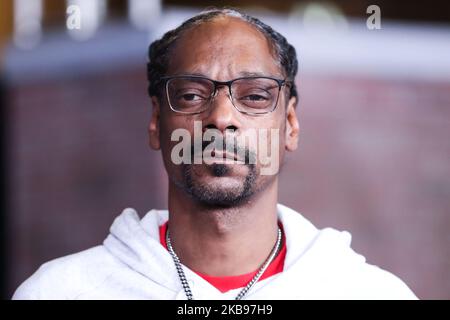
[223, 241]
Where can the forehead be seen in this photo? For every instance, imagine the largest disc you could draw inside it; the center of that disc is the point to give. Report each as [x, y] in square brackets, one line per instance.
[222, 49]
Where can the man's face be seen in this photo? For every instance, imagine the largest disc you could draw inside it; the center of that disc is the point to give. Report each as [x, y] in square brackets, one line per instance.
[223, 49]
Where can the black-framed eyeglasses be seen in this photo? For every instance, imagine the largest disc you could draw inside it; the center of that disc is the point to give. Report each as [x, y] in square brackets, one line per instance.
[255, 95]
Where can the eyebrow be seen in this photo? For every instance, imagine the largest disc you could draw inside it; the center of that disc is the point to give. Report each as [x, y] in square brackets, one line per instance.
[240, 74]
[252, 74]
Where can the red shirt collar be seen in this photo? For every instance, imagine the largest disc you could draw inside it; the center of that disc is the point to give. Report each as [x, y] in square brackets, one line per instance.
[225, 284]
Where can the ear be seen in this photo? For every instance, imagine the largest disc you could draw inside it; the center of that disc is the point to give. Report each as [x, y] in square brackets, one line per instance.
[292, 126]
[153, 127]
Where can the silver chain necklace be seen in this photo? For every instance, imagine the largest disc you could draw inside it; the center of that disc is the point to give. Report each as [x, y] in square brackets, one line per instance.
[244, 291]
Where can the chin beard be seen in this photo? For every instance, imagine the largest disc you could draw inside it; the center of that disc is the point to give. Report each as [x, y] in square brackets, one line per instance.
[219, 197]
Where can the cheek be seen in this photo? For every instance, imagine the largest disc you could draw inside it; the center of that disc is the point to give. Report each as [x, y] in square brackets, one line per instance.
[266, 135]
[165, 133]
[277, 135]
[178, 127]
[169, 124]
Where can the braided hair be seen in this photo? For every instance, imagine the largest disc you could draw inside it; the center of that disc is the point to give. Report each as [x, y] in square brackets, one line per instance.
[159, 50]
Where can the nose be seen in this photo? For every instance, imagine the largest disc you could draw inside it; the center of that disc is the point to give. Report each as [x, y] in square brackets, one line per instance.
[222, 115]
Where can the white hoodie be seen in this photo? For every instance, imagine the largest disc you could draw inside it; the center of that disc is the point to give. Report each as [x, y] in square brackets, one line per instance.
[132, 264]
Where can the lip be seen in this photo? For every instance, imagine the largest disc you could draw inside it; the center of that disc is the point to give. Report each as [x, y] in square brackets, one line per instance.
[223, 157]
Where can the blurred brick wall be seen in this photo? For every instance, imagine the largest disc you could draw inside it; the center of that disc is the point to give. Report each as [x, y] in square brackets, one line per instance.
[78, 157]
[373, 159]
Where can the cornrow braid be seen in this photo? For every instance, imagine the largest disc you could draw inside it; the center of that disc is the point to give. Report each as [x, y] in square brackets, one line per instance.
[159, 50]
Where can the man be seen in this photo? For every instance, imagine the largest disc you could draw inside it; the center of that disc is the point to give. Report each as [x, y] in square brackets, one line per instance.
[222, 75]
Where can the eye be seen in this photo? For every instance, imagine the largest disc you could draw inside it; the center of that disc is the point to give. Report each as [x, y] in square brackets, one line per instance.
[254, 97]
[191, 97]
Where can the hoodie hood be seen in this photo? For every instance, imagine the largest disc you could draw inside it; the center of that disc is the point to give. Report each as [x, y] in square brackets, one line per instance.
[316, 260]
[132, 264]
[136, 243]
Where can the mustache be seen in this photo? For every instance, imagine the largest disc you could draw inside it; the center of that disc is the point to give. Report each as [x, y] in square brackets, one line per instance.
[242, 153]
